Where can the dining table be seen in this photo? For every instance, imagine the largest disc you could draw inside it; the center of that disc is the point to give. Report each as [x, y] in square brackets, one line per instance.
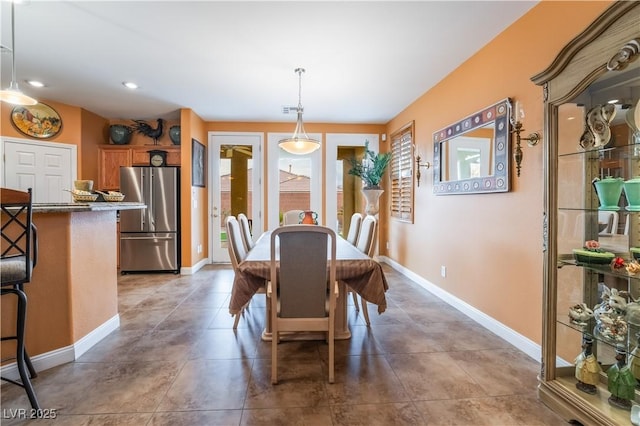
[354, 269]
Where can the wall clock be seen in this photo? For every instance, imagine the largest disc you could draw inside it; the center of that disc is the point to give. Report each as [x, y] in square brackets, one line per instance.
[158, 158]
[38, 121]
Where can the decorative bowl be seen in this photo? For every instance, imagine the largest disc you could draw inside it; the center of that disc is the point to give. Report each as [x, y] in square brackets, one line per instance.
[120, 134]
[593, 257]
[174, 134]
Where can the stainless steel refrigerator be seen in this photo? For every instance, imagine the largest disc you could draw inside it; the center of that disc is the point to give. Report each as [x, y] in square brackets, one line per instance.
[150, 238]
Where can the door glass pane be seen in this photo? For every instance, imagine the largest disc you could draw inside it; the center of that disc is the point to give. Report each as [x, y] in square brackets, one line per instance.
[236, 166]
[348, 189]
[295, 182]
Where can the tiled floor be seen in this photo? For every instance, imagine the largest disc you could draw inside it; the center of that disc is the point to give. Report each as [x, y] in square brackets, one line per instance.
[176, 361]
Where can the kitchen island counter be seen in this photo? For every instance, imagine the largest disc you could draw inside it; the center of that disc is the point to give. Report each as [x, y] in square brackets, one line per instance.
[85, 207]
[73, 293]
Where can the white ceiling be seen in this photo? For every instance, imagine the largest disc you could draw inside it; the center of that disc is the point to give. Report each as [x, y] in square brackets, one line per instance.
[234, 61]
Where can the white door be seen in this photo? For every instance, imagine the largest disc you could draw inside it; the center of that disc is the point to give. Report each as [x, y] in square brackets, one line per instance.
[236, 185]
[48, 167]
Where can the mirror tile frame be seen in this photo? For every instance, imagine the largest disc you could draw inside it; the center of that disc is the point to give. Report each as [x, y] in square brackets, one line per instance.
[499, 181]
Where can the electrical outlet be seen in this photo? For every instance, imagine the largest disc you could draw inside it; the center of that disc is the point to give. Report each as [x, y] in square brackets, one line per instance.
[199, 248]
[388, 245]
[443, 271]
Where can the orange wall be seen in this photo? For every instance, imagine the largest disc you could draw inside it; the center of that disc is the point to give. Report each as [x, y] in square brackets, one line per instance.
[195, 200]
[491, 244]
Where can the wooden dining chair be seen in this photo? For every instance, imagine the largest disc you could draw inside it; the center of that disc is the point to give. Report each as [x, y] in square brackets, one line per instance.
[366, 243]
[291, 217]
[246, 232]
[237, 253]
[303, 287]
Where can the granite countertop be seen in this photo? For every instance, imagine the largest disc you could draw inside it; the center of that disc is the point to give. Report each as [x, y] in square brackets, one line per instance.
[85, 207]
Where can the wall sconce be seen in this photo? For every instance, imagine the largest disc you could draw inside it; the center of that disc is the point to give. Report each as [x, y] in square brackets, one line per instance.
[532, 139]
[419, 164]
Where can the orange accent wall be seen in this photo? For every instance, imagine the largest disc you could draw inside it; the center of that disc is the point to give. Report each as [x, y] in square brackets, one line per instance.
[195, 200]
[491, 244]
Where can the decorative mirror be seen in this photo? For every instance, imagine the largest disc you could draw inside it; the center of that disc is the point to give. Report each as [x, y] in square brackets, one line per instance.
[471, 156]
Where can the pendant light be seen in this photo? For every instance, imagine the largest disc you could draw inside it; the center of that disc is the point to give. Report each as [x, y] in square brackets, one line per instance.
[13, 95]
[299, 143]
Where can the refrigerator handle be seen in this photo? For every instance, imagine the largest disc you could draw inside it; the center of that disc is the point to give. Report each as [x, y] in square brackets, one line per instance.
[142, 211]
[152, 183]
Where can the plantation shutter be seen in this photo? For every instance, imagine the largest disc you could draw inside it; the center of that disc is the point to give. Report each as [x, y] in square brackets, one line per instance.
[402, 174]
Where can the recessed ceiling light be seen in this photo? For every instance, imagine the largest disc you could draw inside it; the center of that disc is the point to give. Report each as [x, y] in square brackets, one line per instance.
[129, 85]
[613, 101]
[35, 83]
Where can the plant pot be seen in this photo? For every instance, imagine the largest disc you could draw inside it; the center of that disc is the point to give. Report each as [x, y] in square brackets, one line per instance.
[372, 196]
[120, 134]
[174, 134]
[609, 190]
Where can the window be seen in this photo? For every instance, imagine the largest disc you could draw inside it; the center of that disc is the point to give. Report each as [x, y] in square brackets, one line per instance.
[402, 174]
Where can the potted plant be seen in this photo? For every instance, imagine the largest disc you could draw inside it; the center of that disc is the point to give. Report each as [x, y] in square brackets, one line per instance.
[370, 169]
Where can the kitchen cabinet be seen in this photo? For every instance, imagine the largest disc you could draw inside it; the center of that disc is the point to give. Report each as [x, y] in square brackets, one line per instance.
[585, 145]
[109, 162]
[112, 157]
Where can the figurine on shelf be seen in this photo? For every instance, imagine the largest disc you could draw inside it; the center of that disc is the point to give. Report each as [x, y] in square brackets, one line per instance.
[580, 314]
[587, 367]
[621, 384]
[634, 362]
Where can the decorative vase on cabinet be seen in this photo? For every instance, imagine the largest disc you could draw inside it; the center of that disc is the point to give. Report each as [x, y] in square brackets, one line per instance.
[604, 56]
[609, 190]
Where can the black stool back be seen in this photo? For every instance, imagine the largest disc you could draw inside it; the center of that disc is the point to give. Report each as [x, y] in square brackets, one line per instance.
[19, 249]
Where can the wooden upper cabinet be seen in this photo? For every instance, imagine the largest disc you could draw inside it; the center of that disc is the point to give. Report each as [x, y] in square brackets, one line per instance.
[109, 162]
[112, 157]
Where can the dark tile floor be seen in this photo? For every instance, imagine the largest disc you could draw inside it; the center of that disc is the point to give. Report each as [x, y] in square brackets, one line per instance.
[177, 361]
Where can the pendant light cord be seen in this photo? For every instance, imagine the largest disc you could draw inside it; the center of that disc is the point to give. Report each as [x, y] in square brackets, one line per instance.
[13, 43]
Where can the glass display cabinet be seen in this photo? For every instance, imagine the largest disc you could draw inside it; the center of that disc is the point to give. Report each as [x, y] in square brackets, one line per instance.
[592, 222]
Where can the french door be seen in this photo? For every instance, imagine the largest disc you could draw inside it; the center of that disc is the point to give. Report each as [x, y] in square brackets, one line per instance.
[236, 187]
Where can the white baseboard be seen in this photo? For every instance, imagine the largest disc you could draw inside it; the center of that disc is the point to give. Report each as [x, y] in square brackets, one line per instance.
[66, 354]
[190, 270]
[91, 339]
[521, 342]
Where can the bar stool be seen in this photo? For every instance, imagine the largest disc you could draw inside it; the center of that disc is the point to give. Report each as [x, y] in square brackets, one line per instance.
[19, 255]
